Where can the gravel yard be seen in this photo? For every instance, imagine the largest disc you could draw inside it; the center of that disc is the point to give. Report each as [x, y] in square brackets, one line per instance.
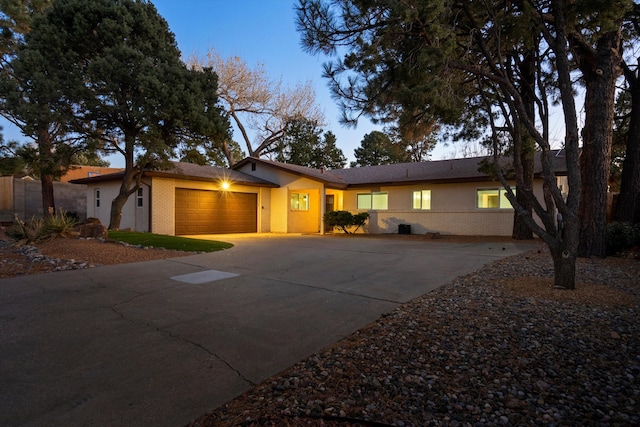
[496, 347]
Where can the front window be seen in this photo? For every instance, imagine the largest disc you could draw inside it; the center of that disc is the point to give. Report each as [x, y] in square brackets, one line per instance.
[493, 198]
[375, 201]
[140, 199]
[422, 199]
[299, 201]
[97, 197]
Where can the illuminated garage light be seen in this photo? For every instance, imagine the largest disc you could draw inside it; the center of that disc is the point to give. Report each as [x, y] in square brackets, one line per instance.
[225, 185]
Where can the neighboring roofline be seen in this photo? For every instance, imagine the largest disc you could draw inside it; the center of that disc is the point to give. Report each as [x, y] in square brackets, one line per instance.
[98, 178]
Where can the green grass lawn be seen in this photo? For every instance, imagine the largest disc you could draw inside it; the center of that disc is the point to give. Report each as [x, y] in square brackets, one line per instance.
[168, 242]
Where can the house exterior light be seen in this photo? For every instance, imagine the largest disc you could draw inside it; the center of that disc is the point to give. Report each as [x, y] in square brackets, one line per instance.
[225, 185]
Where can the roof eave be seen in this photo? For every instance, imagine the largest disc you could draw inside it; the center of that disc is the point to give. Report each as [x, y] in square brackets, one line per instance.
[327, 182]
[161, 174]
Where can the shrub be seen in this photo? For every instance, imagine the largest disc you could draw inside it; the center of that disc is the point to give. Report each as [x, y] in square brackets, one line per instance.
[24, 232]
[622, 236]
[40, 230]
[59, 225]
[345, 220]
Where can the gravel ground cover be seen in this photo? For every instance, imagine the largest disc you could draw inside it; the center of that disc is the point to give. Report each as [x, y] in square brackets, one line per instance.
[496, 347]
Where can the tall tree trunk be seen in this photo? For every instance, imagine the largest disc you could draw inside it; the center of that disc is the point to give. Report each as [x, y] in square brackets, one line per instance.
[228, 153]
[128, 185]
[600, 68]
[564, 269]
[45, 165]
[127, 188]
[570, 206]
[48, 203]
[628, 205]
[521, 231]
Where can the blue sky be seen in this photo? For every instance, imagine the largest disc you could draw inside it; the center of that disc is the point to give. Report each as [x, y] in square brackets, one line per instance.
[258, 31]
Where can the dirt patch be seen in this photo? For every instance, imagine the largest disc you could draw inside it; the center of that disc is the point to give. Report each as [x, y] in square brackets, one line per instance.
[103, 253]
[63, 254]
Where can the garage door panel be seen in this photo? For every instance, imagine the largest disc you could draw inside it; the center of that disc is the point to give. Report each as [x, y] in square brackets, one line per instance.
[215, 212]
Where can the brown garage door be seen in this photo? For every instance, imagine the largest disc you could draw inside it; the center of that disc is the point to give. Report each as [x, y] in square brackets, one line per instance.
[215, 212]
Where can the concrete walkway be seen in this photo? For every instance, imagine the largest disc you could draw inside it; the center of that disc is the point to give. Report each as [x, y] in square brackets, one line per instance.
[163, 342]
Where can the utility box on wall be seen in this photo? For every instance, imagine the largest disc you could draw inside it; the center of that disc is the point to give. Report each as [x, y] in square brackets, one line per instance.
[404, 228]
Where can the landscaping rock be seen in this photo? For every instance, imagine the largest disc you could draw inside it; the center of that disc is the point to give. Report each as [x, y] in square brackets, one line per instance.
[92, 230]
[497, 347]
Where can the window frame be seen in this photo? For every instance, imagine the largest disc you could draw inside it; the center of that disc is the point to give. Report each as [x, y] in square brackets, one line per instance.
[140, 197]
[96, 197]
[299, 196]
[371, 196]
[500, 193]
[421, 200]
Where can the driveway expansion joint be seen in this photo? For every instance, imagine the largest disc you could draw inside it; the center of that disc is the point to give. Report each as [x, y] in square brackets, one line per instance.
[352, 294]
[187, 341]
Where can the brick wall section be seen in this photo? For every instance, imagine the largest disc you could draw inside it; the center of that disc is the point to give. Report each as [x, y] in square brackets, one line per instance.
[163, 204]
[453, 210]
[163, 201]
[478, 223]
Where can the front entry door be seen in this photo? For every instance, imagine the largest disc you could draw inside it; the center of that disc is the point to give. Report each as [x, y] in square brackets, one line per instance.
[329, 207]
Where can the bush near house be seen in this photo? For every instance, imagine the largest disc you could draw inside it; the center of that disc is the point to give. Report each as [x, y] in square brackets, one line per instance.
[622, 236]
[345, 220]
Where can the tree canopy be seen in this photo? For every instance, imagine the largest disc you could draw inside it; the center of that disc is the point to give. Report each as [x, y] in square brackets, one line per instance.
[411, 61]
[15, 22]
[304, 144]
[376, 148]
[117, 73]
[257, 104]
[27, 93]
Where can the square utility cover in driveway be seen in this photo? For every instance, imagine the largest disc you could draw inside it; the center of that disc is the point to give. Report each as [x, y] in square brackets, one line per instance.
[203, 277]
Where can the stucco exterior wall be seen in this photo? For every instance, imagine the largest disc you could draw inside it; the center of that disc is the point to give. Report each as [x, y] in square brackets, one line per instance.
[264, 205]
[133, 217]
[305, 221]
[283, 218]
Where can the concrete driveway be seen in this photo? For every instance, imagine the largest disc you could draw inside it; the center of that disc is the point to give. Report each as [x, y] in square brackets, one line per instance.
[162, 342]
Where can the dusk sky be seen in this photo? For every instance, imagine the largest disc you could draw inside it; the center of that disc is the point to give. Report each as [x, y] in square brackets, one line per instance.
[259, 32]
[264, 31]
